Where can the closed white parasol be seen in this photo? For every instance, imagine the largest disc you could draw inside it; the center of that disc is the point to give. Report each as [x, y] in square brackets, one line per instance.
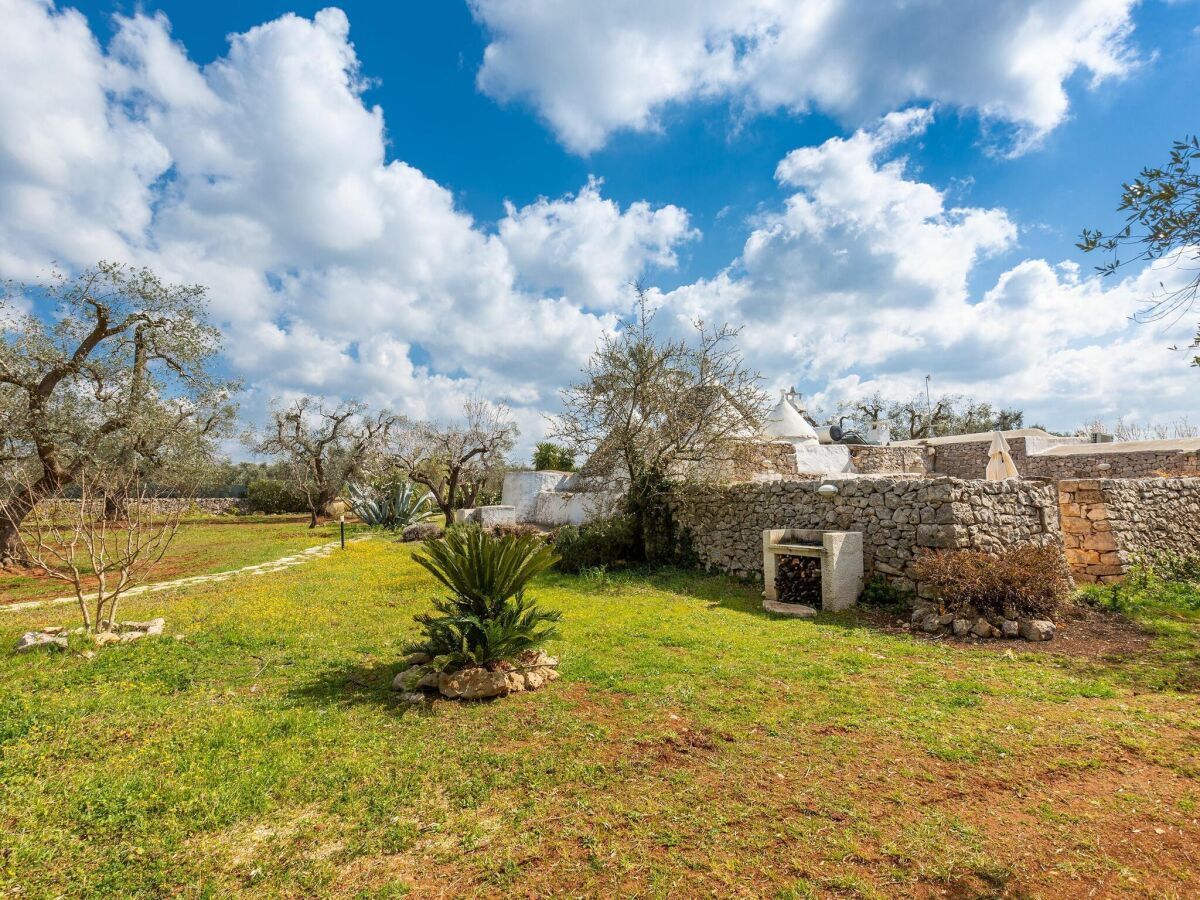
[1000, 462]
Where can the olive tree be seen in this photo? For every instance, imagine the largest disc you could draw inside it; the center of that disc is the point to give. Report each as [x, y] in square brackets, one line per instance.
[920, 417]
[1162, 222]
[117, 368]
[456, 460]
[323, 447]
[652, 409]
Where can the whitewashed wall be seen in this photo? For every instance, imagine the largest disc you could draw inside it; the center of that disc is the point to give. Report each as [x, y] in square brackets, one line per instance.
[823, 458]
[521, 491]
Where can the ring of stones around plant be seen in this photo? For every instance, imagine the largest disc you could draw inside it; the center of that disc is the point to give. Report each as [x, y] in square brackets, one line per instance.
[57, 637]
[420, 682]
[931, 618]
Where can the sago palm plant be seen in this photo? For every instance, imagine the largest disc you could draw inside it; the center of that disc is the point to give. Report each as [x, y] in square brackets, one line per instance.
[486, 618]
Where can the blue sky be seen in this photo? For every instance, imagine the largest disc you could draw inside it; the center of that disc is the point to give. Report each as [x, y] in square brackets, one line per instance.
[892, 250]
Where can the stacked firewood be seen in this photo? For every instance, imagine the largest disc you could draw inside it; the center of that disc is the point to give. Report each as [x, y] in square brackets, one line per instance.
[798, 580]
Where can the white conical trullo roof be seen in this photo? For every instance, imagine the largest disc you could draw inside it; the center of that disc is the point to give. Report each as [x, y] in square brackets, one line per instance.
[786, 423]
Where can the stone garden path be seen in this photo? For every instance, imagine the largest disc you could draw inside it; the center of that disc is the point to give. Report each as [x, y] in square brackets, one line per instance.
[266, 568]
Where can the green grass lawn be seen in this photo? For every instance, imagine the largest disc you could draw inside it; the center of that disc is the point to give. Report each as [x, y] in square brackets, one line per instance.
[199, 548]
[693, 747]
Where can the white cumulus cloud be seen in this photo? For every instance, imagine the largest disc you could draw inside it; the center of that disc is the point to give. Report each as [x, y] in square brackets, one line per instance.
[265, 176]
[859, 281]
[586, 246]
[594, 68]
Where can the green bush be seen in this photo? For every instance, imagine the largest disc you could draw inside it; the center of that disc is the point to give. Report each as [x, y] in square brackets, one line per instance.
[486, 618]
[879, 592]
[1162, 580]
[607, 543]
[1167, 565]
[1024, 582]
[270, 495]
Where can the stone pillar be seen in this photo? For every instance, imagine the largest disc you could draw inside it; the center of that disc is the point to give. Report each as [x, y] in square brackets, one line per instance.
[1088, 540]
[841, 569]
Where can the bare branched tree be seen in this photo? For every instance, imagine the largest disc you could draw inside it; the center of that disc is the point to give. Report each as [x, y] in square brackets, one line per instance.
[652, 409]
[323, 447]
[455, 461]
[75, 542]
[1136, 431]
[122, 375]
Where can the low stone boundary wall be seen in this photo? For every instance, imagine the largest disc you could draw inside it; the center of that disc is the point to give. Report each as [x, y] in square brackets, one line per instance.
[897, 516]
[1113, 464]
[212, 506]
[1108, 522]
[968, 459]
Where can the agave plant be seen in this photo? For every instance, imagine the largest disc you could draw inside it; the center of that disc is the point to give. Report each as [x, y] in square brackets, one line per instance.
[486, 618]
[391, 509]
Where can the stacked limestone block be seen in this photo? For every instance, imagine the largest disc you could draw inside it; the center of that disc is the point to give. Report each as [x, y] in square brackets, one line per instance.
[1108, 523]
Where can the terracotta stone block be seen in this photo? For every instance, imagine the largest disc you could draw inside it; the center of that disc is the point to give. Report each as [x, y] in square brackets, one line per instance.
[1101, 542]
[1077, 526]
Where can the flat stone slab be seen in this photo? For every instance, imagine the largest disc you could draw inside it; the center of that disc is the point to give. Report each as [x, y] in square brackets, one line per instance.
[794, 610]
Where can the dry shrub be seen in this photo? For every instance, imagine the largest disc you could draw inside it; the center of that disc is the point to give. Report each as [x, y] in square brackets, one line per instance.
[422, 531]
[520, 529]
[1031, 579]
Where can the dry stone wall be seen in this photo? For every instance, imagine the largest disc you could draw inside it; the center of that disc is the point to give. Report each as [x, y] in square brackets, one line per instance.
[1107, 523]
[212, 506]
[758, 458]
[1128, 464]
[869, 459]
[898, 517]
[968, 459]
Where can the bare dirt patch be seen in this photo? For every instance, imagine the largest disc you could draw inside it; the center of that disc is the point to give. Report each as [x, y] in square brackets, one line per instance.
[828, 811]
[1082, 631]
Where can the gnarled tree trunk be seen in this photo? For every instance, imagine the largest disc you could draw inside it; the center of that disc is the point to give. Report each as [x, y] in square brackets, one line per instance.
[10, 541]
[13, 513]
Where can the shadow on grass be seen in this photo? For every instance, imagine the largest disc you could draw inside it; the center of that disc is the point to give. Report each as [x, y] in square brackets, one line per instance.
[354, 684]
[717, 590]
[742, 595]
